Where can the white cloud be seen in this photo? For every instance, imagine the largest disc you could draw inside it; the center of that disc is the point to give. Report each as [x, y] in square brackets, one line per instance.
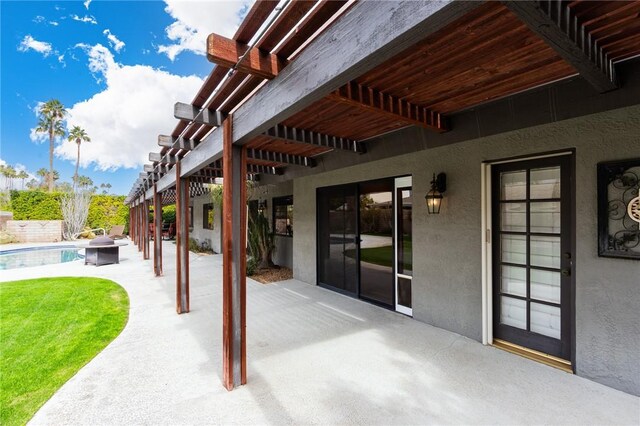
[87, 3]
[29, 43]
[54, 23]
[195, 21]
[114, 41]
[124, 119]
[39, 19]
[86, 18]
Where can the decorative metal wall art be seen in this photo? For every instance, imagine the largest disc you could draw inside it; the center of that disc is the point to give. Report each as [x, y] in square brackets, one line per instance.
[619, 209]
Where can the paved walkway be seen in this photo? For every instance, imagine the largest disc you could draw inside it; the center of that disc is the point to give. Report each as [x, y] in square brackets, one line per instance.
[314, 357]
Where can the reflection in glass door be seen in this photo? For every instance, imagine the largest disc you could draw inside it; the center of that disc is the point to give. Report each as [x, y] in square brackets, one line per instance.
[376, 242]
[403, 245]
[532, 257]
[337, 238]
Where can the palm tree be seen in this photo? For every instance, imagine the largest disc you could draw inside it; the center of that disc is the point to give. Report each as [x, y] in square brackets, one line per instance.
[10, 174]
[85, 181]
[22, 175]
[77, 135]
[51, 115]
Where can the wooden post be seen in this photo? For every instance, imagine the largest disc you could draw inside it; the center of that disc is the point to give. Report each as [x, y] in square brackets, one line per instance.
[132, 224]
[145, 224]
[139, 231]
[157, 234]
[182, 242]
[234, 212]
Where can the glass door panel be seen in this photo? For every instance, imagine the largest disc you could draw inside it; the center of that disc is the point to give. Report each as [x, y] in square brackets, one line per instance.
[337, 243]
[376, 242]
[403, 244]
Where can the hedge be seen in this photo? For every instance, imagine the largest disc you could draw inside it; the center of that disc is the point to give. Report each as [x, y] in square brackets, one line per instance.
[104, 210]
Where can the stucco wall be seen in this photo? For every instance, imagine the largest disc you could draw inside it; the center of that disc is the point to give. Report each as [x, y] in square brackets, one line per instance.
[201, 234]
[283, 255]
[447, 247]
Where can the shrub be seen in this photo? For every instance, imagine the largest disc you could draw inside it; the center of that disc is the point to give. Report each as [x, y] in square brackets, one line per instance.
[36, 205]
[252, 265]
[169, 214]
[106, 211]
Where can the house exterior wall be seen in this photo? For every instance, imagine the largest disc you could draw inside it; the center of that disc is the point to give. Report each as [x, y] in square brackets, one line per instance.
[283, 255]
[447, 285]
[214, 237]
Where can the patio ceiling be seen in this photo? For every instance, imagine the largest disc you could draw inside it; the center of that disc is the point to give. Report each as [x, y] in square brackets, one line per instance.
[493, 51]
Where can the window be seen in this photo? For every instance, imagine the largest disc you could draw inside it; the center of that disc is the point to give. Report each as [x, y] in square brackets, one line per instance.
[207, 216]
[283, 216]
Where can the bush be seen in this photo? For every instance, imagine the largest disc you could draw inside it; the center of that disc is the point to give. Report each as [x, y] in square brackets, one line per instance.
[36, 205]
[106, 211]
[252, 265]
[169, 214]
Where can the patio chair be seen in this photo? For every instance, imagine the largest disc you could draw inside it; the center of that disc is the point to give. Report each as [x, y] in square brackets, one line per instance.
[116, 232]
[169, 232]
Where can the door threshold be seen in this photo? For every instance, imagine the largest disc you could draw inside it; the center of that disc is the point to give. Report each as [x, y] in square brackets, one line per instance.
[550, 360]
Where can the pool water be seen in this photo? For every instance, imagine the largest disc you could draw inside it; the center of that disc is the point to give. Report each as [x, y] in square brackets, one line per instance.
[38, 256]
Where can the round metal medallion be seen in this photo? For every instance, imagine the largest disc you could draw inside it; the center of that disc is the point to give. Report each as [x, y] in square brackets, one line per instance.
[634, 209]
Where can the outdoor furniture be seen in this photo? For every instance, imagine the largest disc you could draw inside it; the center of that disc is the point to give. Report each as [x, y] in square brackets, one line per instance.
[116, 232]
[170, 231]
[102, 251]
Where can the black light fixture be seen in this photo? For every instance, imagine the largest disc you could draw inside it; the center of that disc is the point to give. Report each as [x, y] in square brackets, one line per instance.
[434, 196]
[262, 206]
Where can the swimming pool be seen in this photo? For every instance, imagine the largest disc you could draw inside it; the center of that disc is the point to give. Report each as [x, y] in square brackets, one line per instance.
[38, 256]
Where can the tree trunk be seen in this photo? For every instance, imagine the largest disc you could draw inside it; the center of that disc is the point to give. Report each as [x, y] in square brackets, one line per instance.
[51, 159]
[75, 176]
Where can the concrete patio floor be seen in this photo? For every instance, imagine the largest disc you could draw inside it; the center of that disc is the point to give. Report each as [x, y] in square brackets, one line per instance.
[314, 357]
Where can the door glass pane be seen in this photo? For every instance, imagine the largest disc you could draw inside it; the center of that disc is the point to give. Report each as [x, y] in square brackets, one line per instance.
[336, 239]
[404, 292]
[404, 265]
[545, 320]
[545, 251]
[513, 185]
[545, 285]
[513, 312]
[545, 183]
[376, 242]
[514, 280]
[513, 217]
[514, 249]
[545, 217]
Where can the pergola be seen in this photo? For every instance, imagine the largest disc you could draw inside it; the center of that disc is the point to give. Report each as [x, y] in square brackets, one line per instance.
[300, 79]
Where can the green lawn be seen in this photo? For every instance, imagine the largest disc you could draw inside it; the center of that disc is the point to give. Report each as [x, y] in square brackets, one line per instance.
[49, 329]
[382, 256]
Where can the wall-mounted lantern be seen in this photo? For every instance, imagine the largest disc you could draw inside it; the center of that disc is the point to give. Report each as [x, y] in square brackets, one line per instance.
[262, 206]
[434, 196]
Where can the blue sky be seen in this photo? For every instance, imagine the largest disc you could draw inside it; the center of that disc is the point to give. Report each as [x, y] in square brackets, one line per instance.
[118, 67]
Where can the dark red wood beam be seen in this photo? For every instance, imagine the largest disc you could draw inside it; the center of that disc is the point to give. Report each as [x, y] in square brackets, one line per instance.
[157, 234]
[226, 53]
[234, 255]
[391, 106]
[182, 242]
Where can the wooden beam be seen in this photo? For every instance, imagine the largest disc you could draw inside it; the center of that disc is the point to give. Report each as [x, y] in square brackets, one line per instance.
[363, 97]
[145, 234]
[266, 170]
[233, 262]
[157, 234]
[182, 242]
[292, 134]
[177, 142]
[279, 157]
[188, 112]
[563, 32]
[343, 52]
[226, 52]
[156, 157]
